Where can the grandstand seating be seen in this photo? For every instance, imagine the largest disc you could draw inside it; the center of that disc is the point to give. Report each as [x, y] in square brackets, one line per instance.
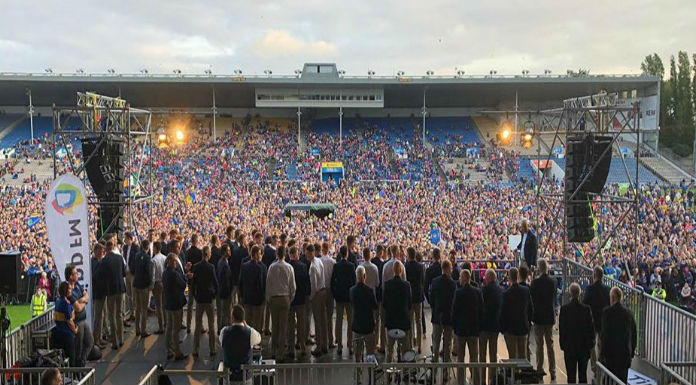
[440, 129]
[617, 174]
[526, 171]
[22, 131]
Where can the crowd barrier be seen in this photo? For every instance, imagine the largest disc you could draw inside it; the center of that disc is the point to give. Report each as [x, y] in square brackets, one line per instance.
[605, 377]
[682, 373]
[32, 376]
[18, 341]
[347, 373]
[666, 333]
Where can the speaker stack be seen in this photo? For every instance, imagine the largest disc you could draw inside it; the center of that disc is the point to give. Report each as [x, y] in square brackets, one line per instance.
[105, 163]
[584, 152]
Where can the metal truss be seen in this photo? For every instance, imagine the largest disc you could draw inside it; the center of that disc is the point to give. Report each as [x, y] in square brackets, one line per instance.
[596, 114]
[101, 118]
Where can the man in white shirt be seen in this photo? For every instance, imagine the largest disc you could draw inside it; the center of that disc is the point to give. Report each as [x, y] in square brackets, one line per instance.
[159, 261]
[280, 290]
[328, 262]
[318, 299]
[388, 270]
[371, 271]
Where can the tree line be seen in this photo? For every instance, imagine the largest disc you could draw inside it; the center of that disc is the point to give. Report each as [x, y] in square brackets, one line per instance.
[677, 100]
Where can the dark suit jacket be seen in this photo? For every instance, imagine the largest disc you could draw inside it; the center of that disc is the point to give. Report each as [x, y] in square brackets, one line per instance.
[239, 254]
[380, 266]
[224, 277]
[141, 269]
[131, 260]
[396, 302]
[597, 298]
[530, 249]
[517, 310]
[193, 255]
[252, 283]
[353, 258]
[173, 287]
[342, 279]
[415, 275]
[364, 305]
[619, 337]
[116, 270]
[269, 256]
[467, 311]
[433, 271]
[204, 282]
[492, 307]
[576, 333]
[100, 279]
[543, 291]
[302, 283]
[441, 297]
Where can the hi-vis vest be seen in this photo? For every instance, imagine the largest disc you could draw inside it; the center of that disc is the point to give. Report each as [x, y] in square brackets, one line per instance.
[38, 304]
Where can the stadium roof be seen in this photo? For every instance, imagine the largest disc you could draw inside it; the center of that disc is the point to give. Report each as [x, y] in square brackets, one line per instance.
[238, 91]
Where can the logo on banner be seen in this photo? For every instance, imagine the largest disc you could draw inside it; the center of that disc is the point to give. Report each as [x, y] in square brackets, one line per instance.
[66, 198]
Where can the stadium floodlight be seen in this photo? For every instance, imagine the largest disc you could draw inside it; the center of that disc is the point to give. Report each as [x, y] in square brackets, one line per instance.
[177, 72]
[430, 73]
[144, 71]
[49, 70]
[460, 73]
[111, 71]
[341, 73]
[370, 73]
[493, 72]
[400, 73]
[80, 71]
[298, 73]
[569, 72]
[208, 71]
[525, 73]
[268, 72]
[547, 72]
[238, 72]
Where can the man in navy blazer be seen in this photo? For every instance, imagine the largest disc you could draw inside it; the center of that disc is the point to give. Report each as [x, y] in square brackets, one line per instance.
[362, 297]
[441, 297]
[515, 316]
[619, 337]
[528, 244]
[115, 291]
[597, 298]
[576, 335]
[492, 295]
[224, 277]
[396, 301]
[205, 289]
[252, 288]
[467, 314]
[173, 287]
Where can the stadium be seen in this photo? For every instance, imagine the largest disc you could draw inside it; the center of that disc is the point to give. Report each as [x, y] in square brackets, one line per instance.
[143, 202]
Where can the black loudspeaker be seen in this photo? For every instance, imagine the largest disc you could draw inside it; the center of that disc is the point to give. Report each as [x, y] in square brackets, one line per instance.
[578, 216]
[597, 156]
[110, 220]
[10, 269]
[105, 165]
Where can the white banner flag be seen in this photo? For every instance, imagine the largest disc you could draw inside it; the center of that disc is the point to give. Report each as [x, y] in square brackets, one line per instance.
[68, 229]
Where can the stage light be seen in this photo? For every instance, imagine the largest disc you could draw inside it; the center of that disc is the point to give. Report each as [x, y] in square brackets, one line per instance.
[162, 137]
[527, 137]
[506, 134]
[179, 135]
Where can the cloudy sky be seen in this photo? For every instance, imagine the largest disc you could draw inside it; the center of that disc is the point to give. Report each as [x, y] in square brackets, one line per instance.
[383, 35]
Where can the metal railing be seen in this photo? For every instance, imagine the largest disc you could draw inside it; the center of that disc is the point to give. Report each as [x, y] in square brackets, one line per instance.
[666, 333]
[682, 373]
[32, 376]
[679, 372]
[669, 333]
[221, 375]
[372, 373]
[18, 341]
[605, 377]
